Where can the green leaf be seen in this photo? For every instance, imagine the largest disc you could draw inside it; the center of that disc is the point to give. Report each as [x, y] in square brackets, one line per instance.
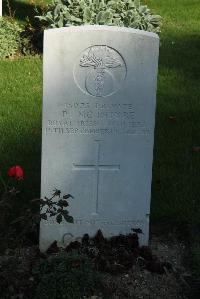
[67, 217]
[99, 17]
[75, 19]
[60, 22]
[66, 15]
[57, 9]
[43, 216]
[135, 3]
[63, 203]
[143, 9]
[111, 3]
[67, 196]
[107, 17]
[87, 15]
[64, 213]
[59, 218]
[96, 2]
[57, 192]
[52, 214]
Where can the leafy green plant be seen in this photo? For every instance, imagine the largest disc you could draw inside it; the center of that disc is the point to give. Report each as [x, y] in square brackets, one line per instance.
[10, 38]
[27, 224]
[51, 208]
[55, 206]
[67, 276]
[124, 13]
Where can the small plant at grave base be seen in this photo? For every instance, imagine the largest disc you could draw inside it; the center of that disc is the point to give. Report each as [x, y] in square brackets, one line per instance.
[123, 13]
[57, 209]
[28, 222]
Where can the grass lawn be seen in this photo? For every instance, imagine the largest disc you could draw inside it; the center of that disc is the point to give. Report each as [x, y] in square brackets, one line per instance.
[20, 118]
[176, 177]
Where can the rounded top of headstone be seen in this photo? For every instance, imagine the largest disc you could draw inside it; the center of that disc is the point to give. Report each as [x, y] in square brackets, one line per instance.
[104, 28]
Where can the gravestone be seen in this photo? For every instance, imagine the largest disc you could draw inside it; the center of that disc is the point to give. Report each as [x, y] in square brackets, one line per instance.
[98, 129]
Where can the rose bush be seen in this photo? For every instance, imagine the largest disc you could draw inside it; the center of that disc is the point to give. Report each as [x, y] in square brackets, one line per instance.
[24, 224]
[8, 193]
[15, 172]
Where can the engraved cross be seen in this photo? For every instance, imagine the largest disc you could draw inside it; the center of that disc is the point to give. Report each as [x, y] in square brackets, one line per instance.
[97, 167]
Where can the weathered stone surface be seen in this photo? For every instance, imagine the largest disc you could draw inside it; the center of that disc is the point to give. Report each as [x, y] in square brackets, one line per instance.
[98, 128]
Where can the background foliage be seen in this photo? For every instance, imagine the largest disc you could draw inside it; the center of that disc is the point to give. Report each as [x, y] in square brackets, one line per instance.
[128, 13]
[10, 39]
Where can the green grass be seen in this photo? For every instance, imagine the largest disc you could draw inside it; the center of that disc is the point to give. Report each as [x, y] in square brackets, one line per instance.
[176, 167]
[176, 179]
[20, 119]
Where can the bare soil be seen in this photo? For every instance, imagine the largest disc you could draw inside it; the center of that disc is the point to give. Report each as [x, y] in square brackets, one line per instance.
[154, 272]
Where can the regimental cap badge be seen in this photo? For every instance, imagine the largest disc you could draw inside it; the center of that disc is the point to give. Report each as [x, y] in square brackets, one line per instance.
[102, 69]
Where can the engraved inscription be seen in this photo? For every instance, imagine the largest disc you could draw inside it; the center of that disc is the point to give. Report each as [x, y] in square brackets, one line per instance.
[97, 119]
[100, 71]
[97, 222]
[97, 167]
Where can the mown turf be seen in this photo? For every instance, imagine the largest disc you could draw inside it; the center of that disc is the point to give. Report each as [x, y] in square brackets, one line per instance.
[20, 119]
[176, 166]
[176, 179]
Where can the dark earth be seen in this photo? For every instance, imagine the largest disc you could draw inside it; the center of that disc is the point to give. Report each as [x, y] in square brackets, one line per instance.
[130, 271]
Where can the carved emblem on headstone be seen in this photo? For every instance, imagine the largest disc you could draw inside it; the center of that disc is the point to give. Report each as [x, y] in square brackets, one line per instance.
[103, 70]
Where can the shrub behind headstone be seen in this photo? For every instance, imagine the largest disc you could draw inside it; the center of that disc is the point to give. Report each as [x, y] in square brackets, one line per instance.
[123, 13]
[10, 40]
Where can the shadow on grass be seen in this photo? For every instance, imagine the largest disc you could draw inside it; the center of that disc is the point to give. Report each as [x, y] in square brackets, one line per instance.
[21, 10]
[175, 185]
[181, 53]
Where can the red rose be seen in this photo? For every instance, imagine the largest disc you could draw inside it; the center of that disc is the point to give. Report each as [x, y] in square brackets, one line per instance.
[16, 172]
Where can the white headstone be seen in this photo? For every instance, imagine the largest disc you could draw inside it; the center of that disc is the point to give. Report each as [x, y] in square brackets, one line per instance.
[98, 129]
[0, 8]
